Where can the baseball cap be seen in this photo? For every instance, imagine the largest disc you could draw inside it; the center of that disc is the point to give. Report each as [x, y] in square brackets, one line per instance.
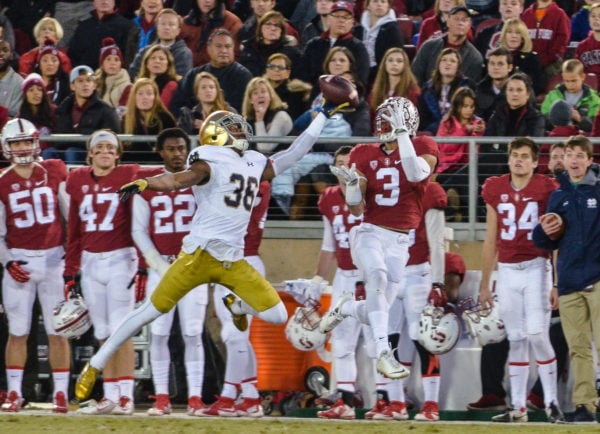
[342, 6]
[460, 8]
[80, 70]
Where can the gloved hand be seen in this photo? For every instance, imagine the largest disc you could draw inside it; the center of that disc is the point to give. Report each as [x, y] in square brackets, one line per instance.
[18, 273]
[437, 295]
[134, 187]
[71, 288]
[315, 288]
[350, 176]
[140, 279]
[329, 109]
[397, 122]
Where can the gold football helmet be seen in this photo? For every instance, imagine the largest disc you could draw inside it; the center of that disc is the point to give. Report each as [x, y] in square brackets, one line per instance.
[223, 128]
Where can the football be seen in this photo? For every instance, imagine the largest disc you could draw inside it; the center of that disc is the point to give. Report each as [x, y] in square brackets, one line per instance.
[338, 90]
[553, 218]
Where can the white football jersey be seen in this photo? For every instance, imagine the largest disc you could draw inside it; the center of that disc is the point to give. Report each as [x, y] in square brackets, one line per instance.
[225, 202]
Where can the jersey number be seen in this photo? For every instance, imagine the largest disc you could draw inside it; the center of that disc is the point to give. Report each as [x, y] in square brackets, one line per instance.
[40, 209]
[244, 193]
[510, 225]
[88, 214]
[173, 214]
[391, 186]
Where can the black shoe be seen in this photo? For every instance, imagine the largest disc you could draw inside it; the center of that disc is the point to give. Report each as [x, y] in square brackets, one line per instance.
[554, 414]
[581, 415]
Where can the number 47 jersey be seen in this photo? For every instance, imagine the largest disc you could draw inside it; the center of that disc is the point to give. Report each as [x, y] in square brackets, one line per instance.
[518, 213]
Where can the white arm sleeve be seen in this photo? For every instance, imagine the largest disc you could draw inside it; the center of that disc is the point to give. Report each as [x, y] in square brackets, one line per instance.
[435, 222]
[415, 167]
[354, 194]
[63, 200]
[328, 243]
[285, 159]
[4, 254]
[140, 232]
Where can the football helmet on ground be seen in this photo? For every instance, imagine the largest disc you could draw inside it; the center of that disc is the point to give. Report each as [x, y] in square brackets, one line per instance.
[302, 329]
[395, 116]
[223, 128]
[482, 323]
[17, 130]
[71, 318]
[439, 331]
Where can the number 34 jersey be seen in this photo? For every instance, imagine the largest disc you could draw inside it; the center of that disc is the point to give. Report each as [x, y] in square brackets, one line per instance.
[30, 206]
[518, 213]
[225, 201]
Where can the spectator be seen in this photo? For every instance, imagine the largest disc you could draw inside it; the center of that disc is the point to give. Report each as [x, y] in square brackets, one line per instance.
[578, 273]
[435, 26]
[580, 22]
[46, 28]
[490, 90]
[265, 111]
[550, 30]
[36, 107]
[319, 24]
[259, 9]
[168, 28]
[271, 37]
[70, 14]
[232, 76]
[337, 60]
[143, 32]
[559, 116]
[210, 99]
[159, 65]
[394, 78]
[379, 31]
[203, 19]
[112, 80]
[515, 37]
[459, 25]
[587, 50]
[49, 66]
[438, 91]
[583, 100]
[339, 34]
[303, 14]
[488, 38]
[452, 172]
[294, 92]
[11, 96]
[145, 115]
[82, 112]
[23, 16]
[88, 37]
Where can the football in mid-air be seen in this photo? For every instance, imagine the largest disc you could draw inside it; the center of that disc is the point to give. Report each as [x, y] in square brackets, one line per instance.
[338, 90]
[553, 218]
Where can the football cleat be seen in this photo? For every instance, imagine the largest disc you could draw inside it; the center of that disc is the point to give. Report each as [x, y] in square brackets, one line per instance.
[395, 410]
[512, 416]
[389, 367]
[13, 402]
[195, 405]
[250, 407]
[380, 406]
[339, 410]
[124, 407]
[429, 413]
[223, 406]
[554, 414]
[334, 317]
[91, 407]
[162, 405]
[60, 404]
[239, 320]
[535, 402]
[85, 382]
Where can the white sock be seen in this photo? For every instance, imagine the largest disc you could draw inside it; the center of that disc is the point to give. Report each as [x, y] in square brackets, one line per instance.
[249, 389]
[395, 390]
[230, 390]
[126, 385]
[14, 378]
[548, 377]
[60, 379]
[431, 388]
[379, 326]
[160, 376]
[112, 390]
[518, 372]
[195, 377]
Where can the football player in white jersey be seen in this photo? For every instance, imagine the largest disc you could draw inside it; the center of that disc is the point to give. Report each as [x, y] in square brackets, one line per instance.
[159, 223]
[525, 294]
[33, 203]
[224, 178]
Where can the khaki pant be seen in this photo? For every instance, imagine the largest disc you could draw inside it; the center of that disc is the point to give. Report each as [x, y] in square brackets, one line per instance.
[580, 319]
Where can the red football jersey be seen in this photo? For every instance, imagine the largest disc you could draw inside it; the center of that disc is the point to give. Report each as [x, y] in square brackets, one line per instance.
[256, 226]
[332, 205]
[518, 213]
[435, 197]
[171, 215]
[33, 218]
[391, 200]
[98, 220]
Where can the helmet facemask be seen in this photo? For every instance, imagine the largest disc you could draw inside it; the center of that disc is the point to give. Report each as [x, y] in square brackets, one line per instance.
[226, 129]
[20, 130]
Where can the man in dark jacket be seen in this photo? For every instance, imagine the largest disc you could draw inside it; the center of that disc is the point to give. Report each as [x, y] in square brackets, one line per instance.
[83, 112]
[490, 90]
[576, 235]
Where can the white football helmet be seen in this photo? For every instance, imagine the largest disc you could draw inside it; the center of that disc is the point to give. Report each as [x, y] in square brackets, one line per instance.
[71, 318]
[391, 106]
[16, 130]
[483, 323]
[224, 128]
[302, 330]
[439, 331]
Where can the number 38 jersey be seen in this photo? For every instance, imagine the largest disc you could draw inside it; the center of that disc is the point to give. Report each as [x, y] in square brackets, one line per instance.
[225, 201]
[518, 213]
[30, 206]
[391, 200]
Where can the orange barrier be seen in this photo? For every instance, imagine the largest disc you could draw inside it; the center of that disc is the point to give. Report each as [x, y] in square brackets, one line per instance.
[280, 365]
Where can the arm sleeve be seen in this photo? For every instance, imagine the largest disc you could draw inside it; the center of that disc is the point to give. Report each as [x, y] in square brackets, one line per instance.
[4, 255]
[434, 227]
[280, 126]
[63, 200]
[140, 232]
[328, 243]
[415, 167]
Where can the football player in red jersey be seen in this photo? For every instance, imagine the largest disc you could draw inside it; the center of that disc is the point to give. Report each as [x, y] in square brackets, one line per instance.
[524, 287]
[160, 221]
[33, 202]
[99, 243]
[387, 182]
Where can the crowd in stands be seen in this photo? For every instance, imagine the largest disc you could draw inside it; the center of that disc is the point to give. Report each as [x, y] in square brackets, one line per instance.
[184, 59]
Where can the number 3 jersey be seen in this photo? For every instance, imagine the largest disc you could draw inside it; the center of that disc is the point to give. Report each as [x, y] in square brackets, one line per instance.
[225, 201]
[518, 212]
[391, 200]
[31, 206]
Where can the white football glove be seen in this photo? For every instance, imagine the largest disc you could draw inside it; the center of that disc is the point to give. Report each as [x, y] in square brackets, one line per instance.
[397, 122]
[304, 290]
[349, 176]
